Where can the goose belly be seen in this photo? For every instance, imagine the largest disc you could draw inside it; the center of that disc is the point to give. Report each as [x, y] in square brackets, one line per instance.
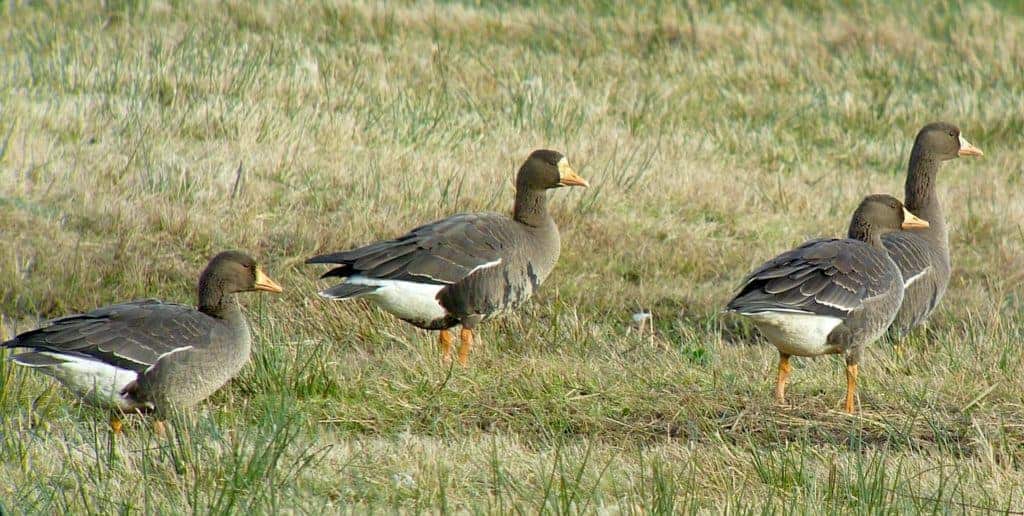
[407, 300]
[798, 334]
[95, 382]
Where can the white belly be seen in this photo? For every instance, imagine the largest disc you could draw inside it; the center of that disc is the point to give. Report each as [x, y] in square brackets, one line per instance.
[405, 299]
[795, 333]
[96, 382]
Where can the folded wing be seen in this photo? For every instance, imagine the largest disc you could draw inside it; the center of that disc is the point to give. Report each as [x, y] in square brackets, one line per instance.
[825, 277]
[442, 252]
[131, 336]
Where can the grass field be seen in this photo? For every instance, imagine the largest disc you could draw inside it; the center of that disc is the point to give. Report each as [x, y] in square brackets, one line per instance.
[139, 139]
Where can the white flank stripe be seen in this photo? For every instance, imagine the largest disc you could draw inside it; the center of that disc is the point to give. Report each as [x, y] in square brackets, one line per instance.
[916, 277]
[776, 310]
[405, 299]
[487, 265]
[833, 305]
[474, 269]
[161, 357]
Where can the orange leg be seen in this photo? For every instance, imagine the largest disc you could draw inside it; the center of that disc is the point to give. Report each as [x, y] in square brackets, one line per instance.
[466, 336]
[115, 424]
[780, 384]
[444, 341]
[159, 428]
[851, 386]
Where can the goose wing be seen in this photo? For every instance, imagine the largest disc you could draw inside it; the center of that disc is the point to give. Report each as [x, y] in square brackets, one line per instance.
[441, 252]
[829, 277]
[133, 335]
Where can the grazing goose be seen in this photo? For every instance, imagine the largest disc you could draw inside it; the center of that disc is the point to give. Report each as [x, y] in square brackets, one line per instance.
[832, 295]
[923, 254]
[148, 354]
[465, 268]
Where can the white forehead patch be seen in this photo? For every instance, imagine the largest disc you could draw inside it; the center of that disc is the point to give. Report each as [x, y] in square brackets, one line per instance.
[563, 164]
[964, 142]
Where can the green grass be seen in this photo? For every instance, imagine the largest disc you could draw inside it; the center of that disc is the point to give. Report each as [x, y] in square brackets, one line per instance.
[137, 139]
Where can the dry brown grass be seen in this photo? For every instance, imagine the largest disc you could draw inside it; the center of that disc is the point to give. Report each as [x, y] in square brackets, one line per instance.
[136, 140]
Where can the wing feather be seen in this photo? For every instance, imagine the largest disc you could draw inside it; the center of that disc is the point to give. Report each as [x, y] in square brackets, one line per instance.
[826, 276]
[131, 335]
[442, 252]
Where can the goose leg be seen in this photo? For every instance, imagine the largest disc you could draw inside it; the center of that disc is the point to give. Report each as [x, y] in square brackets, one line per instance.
[444, 341]
[466, 338]
[780, 384]
[159, 428]
[851, 386]
[116, 425]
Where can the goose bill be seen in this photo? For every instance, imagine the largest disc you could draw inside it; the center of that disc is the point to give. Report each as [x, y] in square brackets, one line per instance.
[966, 149]
[911, 221]
[263, 282]
[568, 177]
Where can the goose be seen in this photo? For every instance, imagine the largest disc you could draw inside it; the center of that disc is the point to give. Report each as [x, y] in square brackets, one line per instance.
[151, 355]
[922, 254]
[463, 269]
[830, 296]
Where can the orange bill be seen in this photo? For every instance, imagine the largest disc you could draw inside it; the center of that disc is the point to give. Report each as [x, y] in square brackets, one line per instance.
[568, 177]
[911, 221]
[263, 282]
[966, 149]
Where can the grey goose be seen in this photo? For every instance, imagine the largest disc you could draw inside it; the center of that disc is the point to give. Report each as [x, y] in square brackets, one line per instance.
[148, 354]
[923, 254]
[829, 296]
[465, 268]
